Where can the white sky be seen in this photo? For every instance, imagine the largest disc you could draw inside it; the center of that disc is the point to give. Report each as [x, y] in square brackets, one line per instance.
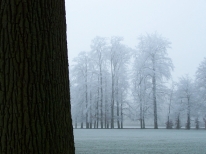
[183, 22]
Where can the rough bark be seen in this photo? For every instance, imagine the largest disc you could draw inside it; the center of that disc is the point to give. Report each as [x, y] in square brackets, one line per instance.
[34, 83]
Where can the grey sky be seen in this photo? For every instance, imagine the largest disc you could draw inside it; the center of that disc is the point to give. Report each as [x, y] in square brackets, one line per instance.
[183, 22]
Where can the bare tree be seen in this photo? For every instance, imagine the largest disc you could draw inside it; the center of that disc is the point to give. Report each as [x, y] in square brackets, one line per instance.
[80, 84]
[153, 49]
[201, 87]
[171, 98]
[98, 48]
[118, 57]
[186, 94]
[141, 88]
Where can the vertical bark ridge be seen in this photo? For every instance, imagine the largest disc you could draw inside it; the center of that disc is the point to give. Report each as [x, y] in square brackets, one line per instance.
[34, 81]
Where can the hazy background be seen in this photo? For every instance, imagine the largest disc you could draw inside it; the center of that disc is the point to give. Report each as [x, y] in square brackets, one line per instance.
[183, 22]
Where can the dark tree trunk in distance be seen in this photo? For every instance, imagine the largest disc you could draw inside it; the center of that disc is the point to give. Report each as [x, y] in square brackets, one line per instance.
[178, 125]
[204, 119]
[121, 114]
[169, 123]
[154, 102]
[34, 79]
[143, 123]
[188, 114]
[197, 123]
[188, 122]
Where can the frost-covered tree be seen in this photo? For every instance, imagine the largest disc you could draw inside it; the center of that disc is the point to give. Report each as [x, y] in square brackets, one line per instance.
[201, 79]
[157, 65]
[186, 96]
[201, 87]
[79, 88]
[141, 88]
[118, 57]
[170, 99]
[107, 97]
[99, 82]
[99, 47]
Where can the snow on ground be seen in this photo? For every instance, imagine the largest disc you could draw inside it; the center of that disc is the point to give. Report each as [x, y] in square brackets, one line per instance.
[137, 141]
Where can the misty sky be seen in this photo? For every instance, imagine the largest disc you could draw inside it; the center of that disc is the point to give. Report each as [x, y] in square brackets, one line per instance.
[183, 22]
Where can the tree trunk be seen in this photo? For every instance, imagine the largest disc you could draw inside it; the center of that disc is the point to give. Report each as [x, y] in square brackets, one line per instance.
[34, 79]
[105, 104]
[76, 122]
[205, 124]
[82, 125]
[112, 104]
[141, 112]
[87, 122]
[168, 122]
[188, 121]
[101, 97]
[90, 125]
[105, 116]
[90, 111]
[188, 114]
[86, 97]
[76, 125]
[178, 122]
[121, 113]
[197, 124]
[154, 95]
[118, 123]
[97, 109]
[95, 124]
[204, 119]
[143, 122]
[117, 100]
[107, 125]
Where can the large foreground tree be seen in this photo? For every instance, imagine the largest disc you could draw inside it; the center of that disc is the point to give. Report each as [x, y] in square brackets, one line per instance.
[34, 83]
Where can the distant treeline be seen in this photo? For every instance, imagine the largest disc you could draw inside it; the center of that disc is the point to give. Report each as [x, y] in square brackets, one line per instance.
[114, 82]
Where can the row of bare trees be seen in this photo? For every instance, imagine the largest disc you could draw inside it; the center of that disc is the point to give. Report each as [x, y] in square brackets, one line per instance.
[113, 82]
[182, 104]
[187, 103]
[99, 84]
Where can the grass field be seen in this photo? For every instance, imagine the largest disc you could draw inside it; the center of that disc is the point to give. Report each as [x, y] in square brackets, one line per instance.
[137, 141]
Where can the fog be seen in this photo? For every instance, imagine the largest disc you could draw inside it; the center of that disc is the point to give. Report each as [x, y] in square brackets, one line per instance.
[181, 22]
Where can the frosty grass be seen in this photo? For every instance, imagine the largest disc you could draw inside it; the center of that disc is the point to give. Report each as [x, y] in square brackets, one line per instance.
[137, 141]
